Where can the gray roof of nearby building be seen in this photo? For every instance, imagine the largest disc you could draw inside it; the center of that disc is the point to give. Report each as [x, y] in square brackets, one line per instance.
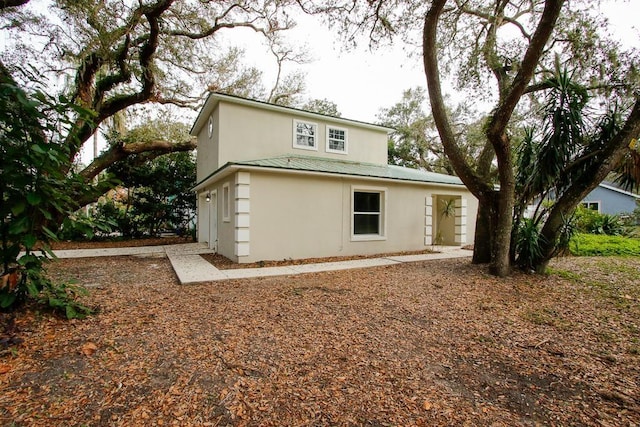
[342, 167]
[615, 187]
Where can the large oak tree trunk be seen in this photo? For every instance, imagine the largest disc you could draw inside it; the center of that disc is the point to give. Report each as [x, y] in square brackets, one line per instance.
[483, 239]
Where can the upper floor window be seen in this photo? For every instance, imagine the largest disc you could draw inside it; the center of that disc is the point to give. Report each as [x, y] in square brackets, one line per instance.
[305, 135]
[336, 140]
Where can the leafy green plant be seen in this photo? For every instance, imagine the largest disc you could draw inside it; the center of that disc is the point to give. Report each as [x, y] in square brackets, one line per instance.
[159, 196]
[81, 226]
[527, 243]
[33, 184]
[591, 221]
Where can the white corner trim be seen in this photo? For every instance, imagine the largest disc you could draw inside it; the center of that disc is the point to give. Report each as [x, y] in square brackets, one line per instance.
[242, 205]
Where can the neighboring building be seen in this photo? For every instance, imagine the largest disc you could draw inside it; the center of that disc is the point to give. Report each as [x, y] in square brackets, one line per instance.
[607, 198]
[280, 183]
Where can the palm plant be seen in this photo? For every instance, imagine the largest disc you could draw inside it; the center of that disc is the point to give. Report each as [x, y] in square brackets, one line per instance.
[551, 160]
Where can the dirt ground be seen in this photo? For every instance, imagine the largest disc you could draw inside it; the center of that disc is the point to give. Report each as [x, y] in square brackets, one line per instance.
[424, 344]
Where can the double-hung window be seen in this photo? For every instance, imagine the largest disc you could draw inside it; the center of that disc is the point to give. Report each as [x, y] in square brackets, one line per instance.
[305, 135]
[368, 214]
[336, 140]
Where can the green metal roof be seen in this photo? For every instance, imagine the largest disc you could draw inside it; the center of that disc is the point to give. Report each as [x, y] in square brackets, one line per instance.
[341, 167]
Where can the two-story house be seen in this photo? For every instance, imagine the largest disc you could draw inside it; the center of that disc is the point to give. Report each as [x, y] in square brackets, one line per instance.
[281, 183]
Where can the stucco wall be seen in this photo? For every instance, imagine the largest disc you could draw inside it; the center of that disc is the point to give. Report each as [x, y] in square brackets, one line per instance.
[207, 152]
[297, 216]
[249, 133]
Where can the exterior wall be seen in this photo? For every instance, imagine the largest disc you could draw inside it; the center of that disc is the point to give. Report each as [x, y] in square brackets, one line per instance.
[250, 133]
[207, 152]
[221, 235]
[611, 202]
[294, 216]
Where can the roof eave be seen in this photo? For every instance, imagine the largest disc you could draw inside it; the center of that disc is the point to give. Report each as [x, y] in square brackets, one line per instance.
[214, 98]
[231, 167]
[619, 190]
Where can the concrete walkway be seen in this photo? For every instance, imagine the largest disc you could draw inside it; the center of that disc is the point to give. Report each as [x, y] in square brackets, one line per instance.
[191, 268]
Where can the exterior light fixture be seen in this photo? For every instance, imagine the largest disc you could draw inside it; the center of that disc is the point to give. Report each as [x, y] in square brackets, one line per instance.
[208, 198]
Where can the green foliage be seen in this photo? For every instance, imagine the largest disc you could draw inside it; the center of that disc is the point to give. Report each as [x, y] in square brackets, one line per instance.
[528, 244]
[414, 143]
[593, 222]
[554, 158]
[81, 226]
[322, 106]
[159, 196]
[33, 189]
[604, 245]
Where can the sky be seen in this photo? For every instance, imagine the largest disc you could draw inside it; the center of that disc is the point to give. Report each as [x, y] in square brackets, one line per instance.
[361, 82]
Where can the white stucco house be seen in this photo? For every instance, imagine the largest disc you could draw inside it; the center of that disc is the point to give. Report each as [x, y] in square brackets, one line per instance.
[280, 183]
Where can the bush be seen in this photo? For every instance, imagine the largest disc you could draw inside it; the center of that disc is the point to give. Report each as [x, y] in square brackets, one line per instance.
[593, 222]
[34, 192]
[603, 245]
[528, 241]
[80, 226]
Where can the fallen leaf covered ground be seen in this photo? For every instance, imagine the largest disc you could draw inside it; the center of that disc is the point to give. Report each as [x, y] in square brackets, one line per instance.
[429, 343]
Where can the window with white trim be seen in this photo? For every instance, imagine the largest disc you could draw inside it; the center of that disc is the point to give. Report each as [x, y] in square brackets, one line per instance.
[368, 220]
[594, 206]
[226, 203]
[305, 135]
[336, 140]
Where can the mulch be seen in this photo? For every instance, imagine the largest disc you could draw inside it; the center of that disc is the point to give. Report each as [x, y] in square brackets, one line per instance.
[428, 343]
[120, 243]
[223, 263]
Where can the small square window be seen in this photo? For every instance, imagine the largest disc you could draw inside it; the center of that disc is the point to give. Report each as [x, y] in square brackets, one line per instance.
[336, 140]
[305, 135]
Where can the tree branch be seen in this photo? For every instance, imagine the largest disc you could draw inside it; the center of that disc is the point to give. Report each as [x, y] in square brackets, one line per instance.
[211, 30]
[436, 99]
[12, 3]
[613, 152]
[541, 36]
[118, 152]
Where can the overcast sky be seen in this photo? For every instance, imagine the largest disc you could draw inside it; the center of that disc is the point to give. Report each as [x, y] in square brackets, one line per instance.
[361, 82]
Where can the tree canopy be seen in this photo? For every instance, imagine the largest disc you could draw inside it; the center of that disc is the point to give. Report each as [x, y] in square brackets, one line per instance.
[507, 53]
[70, 66]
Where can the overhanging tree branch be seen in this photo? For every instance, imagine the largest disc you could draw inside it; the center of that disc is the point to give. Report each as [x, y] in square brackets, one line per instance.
[436, 99]
[118, 152]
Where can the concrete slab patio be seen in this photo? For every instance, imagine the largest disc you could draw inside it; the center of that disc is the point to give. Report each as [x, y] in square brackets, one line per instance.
[191, 268]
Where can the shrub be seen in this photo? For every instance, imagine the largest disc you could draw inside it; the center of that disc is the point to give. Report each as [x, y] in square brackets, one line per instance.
[593, 222]
[34, 192]
[528, 241]
[80, 226]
